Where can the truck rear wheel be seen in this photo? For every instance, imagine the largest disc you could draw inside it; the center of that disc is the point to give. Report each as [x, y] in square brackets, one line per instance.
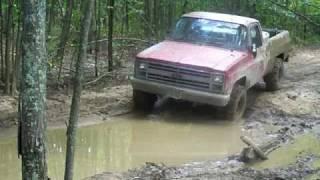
[143, 101]
[237, 104]
[273, 79]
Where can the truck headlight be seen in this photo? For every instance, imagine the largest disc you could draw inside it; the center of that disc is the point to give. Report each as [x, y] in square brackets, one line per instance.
[142, 66]
[218, 78]
[140, 69]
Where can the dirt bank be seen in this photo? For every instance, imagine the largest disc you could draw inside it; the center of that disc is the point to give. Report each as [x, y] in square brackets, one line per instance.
[96, 106]
[104, 96]
[290, 112]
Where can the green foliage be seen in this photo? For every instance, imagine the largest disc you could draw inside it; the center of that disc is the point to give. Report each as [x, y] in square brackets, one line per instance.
[300, 17]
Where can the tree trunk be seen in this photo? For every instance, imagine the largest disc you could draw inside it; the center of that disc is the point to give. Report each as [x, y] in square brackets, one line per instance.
[8, 49]
[50, 17]
[98, 29]
[17, 61]
[156, 20]
[32, 138]
[74, 113]
[171, 13]
[253, 10]
[147, 17]
[13, 70]
[1, 44]
[304, 9]
[64, 35]
[162, 19]
[185, 6]
[110, 35]
[126, 7]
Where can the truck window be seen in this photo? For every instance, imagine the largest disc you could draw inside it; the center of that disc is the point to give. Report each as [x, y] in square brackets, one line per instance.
[209, 32]
[255, 34]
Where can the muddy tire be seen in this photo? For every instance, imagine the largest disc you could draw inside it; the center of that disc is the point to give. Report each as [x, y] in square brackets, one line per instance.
[273, 79]
[143, 101]
[237, 104]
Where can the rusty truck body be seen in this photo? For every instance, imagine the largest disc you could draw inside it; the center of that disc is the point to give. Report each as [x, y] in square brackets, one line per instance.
[211, 58]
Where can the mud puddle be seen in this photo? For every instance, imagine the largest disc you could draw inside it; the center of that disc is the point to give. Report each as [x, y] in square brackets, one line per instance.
[128, 142]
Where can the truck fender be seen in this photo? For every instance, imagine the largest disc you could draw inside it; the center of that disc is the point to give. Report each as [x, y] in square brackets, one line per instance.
[284, 57]
[243, 81]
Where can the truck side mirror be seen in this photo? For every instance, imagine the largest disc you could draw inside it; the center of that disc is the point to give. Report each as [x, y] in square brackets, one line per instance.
[254, 50]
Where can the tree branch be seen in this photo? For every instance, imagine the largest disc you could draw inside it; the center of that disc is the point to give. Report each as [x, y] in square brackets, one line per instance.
[296, 13]
[113, 39]
[98, 79]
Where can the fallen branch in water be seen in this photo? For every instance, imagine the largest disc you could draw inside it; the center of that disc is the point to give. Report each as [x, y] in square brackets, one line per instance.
[252, 151]
[256, 152]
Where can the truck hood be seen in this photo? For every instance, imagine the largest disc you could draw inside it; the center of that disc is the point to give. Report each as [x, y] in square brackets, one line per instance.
[192, 54]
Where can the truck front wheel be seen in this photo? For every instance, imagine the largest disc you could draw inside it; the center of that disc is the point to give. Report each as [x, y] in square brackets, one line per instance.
[143, 101]
[273, 78]
[237, 104]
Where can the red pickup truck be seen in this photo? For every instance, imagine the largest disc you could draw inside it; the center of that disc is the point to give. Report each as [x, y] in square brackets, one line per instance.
[211, 58]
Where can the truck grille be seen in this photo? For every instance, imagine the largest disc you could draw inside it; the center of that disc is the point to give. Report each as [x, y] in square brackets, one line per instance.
[179, 76]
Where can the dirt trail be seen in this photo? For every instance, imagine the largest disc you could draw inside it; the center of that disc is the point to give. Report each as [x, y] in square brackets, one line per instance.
[289, 112]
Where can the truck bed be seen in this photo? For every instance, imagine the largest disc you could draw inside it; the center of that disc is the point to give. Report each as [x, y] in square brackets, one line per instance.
[279, 43]
[272, 32]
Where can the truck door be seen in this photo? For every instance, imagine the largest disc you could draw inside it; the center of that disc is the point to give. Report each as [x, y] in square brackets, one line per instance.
[259, 47]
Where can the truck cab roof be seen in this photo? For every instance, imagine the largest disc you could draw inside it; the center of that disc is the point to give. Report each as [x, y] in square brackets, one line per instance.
[222, 17]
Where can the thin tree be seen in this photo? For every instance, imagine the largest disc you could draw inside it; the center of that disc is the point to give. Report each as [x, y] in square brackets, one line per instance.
[8, 48]
[110, 35]
[1, 44]
[12, 71]
[17, 60]
[126, 17]
[185, 6]
[50, 14]
[97, 34]
[77, 88]
[147, 17]
[156, 16]
[171, 13]
[64, 35]
[32, 125]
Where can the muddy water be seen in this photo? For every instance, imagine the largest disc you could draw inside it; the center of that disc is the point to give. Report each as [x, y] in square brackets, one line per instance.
[130, 141]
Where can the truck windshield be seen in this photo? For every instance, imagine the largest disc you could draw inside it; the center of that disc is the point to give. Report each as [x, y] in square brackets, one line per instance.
[209, 32]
